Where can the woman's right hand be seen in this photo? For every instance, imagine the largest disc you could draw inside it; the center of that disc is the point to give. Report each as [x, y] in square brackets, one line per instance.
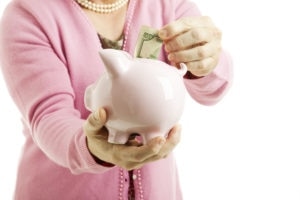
[128, 156]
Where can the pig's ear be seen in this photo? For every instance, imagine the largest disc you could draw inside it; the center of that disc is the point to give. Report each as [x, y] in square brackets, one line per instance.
[116, 61]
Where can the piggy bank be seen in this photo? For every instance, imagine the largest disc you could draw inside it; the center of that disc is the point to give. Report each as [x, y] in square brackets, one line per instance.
[142, 96]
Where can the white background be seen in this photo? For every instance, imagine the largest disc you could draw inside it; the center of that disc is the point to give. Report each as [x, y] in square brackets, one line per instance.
[247, 147]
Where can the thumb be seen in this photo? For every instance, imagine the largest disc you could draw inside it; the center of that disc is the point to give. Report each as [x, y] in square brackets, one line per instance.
[95, 121]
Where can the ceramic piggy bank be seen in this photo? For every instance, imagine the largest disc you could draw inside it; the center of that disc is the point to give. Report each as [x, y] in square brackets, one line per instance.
[141, 96]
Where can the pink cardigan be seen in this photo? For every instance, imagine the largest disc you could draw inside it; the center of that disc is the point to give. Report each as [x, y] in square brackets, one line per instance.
[49, 55]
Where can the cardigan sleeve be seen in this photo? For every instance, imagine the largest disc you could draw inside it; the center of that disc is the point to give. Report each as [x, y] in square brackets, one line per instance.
[210, 89]
[39, 83]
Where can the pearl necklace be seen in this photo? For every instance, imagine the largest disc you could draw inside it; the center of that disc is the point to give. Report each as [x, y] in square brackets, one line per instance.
[102, 8]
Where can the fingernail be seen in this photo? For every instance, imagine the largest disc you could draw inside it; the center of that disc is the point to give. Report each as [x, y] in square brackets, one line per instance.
[102, 115]
[171, 57]
[167, 48]
[162, 34]
[161, 141]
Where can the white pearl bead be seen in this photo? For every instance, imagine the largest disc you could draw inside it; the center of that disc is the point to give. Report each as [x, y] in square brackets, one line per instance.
[102, 8]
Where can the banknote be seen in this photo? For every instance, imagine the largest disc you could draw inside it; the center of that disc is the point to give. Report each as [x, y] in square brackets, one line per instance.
[148, 43]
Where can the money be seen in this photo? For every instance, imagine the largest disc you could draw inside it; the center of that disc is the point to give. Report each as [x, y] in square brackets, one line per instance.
[148, 44]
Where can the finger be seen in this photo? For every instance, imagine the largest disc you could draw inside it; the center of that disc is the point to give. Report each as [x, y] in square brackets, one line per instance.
[203, 67]
[174, 135]
[195, 53]
[172, 140]
[95, 122]
[182, 25]
[191, 38]
[141, 153]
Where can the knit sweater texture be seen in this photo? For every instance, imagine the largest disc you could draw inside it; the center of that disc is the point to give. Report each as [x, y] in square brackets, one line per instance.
[49, 55]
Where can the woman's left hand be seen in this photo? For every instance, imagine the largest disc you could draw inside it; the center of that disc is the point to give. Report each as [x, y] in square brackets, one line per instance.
[195, 41]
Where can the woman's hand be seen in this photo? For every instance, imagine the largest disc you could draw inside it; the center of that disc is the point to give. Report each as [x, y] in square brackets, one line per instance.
[129, 156]
[194, 41]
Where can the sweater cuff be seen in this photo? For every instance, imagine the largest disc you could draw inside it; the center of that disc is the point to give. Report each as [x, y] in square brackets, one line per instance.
[82, 161]
[101, 162]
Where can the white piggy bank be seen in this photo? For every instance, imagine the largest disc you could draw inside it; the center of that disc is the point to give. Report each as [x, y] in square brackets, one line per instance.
[141, 96]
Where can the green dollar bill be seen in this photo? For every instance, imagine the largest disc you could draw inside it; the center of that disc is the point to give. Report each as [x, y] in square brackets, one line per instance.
[148, 44]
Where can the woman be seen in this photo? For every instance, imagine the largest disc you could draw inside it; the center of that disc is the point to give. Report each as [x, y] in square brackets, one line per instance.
[49, 55]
